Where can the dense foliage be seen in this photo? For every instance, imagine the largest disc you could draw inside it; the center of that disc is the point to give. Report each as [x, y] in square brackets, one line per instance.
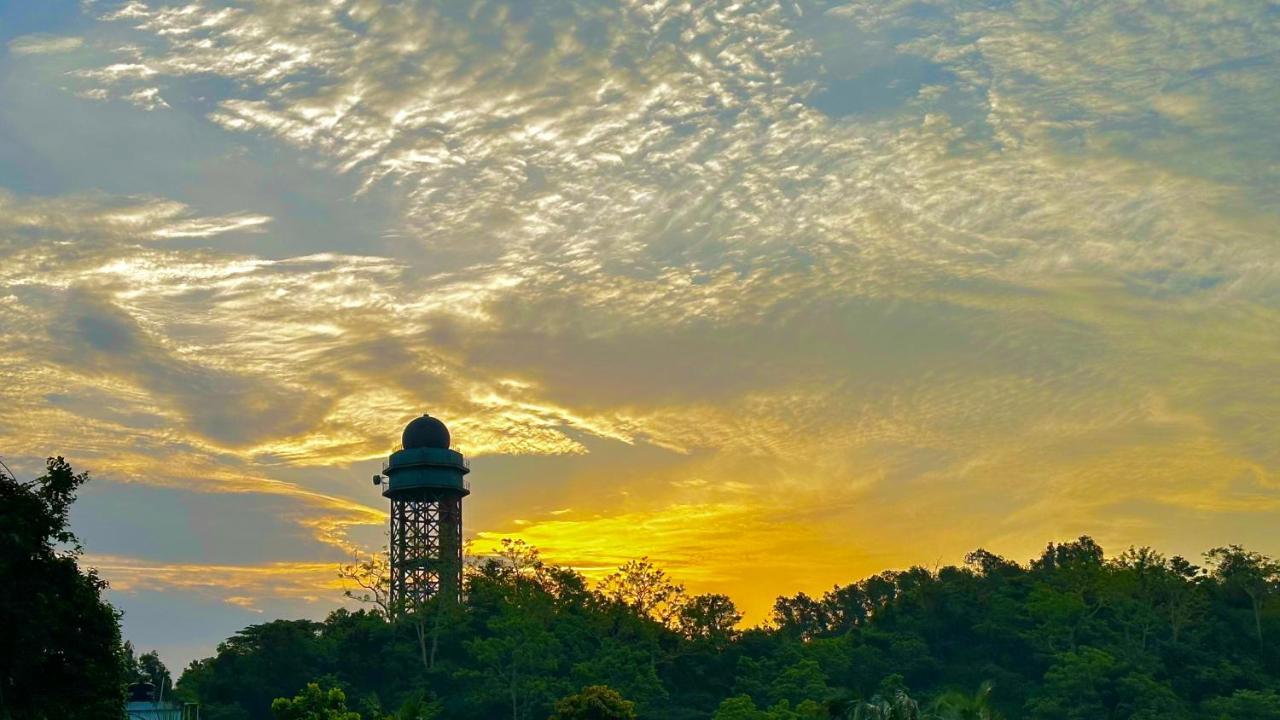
[595, 702]
[60, 650]
[1072, 635]
[314, 703]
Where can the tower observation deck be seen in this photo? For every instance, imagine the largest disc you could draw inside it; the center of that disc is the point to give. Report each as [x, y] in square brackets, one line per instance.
[424, 481]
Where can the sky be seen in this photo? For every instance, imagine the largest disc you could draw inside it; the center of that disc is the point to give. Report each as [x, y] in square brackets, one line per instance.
[778, 294]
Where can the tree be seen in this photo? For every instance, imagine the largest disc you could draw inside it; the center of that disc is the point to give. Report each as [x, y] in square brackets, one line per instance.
[641, 585]
[313, 703]
[520, 560]
[1091, 684]
[255, 666]
[516, 659]
[1134, 590]
[1252, 574]
[152, 670]
[428, 618]
[801, 616]
[1073, 635]
[800, 681]
[739, 707]
[899, 706]
[709, 617]
[1181, 597]
[1077, 687]
[1244, 705]
[957, 705]
[1069, 595]
[372, 580]
[624, 667]
[419, 708]
[594, 702]
[60, 649]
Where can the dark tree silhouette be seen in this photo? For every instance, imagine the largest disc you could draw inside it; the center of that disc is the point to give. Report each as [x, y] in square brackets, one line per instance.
[60, 649]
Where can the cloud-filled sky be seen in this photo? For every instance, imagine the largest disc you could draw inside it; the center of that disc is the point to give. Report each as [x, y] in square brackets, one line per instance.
[779, 294]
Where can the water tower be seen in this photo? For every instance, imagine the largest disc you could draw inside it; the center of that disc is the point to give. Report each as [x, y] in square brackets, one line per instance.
[424, 481]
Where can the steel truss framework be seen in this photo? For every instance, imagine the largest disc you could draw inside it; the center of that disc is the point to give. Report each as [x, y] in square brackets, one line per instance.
[426, 546]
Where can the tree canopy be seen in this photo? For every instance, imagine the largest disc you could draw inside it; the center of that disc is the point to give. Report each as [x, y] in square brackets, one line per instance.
[594, 702]
[1071, 634]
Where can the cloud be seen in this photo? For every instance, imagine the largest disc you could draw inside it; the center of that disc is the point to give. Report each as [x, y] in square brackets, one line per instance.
[204, 228]
[41, 44]
[239, 585]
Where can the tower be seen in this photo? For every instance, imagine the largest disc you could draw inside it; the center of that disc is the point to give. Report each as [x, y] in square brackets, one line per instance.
[424, 481]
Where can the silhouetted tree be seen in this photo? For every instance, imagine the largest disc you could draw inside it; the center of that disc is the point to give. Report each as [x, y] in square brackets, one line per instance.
[641, 585]
[60, 649]
[709, 617]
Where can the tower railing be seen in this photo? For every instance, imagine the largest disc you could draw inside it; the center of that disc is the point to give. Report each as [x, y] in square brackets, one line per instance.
[387, 463]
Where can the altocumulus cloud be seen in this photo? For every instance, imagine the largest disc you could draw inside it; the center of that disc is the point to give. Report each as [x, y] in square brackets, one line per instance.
[945, 272]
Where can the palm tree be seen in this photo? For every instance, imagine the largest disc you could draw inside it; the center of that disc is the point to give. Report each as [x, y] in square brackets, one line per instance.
[898, 707]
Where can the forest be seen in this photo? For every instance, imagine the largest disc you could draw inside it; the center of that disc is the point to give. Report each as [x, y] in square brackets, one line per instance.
[1073, 634]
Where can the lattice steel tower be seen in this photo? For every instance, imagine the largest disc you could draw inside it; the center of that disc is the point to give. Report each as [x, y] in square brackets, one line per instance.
[425, 485]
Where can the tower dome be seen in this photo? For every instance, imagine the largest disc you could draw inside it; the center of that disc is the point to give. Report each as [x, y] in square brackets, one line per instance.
[425, 432]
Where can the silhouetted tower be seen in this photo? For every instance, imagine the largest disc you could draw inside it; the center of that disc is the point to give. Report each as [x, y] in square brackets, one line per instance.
[425, 485]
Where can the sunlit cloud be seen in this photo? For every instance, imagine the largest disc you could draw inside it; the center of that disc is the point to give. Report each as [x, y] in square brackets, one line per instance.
[239, 585]
[41, 44]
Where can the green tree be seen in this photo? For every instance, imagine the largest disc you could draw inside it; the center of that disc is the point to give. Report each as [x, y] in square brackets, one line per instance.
[642, 586]
[1251, 574]
[369, 581]
[257, 665]
[801, 681]
[314, 703]
[800, 616]
[517, 658]
[956, 705]
[1077, 687]
[626, 668]
[739, 707]
[418, 707]
[1134, 589]
[1182, 600]
[709, 617]
[1069, 595]
[1072, 635]
[60, 649]
[1139, 696]
[594, 702]
[1244, 705]
[898, 706]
